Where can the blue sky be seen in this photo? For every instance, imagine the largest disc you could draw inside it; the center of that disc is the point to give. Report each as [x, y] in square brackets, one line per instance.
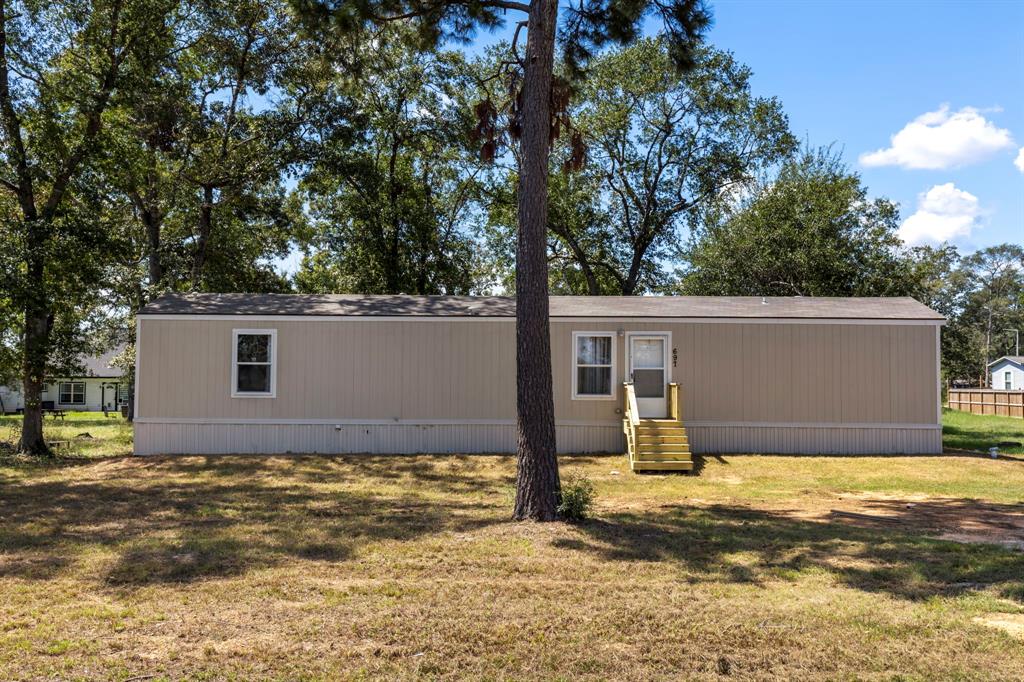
[855, 74]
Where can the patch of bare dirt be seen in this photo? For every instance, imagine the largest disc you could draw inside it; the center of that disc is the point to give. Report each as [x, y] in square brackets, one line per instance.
[1011, 623]
[954, 519]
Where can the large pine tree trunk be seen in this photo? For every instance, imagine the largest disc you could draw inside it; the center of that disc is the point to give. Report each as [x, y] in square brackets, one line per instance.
[537, 487]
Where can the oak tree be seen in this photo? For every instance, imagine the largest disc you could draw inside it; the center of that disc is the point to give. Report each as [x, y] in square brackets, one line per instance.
[63, 68]
[809, 230]
[389, 192]
[661, 148]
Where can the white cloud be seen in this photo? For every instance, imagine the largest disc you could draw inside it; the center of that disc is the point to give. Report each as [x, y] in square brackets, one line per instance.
[1019, 161]
[940, 139]
[943, 213]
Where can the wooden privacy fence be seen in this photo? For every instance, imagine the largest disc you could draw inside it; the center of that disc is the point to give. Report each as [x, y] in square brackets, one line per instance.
[987, 401]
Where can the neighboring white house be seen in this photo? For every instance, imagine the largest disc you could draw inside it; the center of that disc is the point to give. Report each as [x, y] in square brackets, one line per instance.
[1007, 373]
[98, 387]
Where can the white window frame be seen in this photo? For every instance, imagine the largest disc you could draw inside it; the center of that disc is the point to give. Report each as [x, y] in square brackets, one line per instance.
[235, 393]
[71, 392]
[1008, 380]
[613, 395]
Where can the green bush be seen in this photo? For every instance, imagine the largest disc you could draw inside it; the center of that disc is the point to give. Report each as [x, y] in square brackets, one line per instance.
[577, 498]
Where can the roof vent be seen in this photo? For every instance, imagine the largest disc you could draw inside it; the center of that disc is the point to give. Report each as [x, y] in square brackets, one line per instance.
[764, 301]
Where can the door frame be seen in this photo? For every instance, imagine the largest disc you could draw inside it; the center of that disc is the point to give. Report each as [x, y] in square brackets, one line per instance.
[667, 354]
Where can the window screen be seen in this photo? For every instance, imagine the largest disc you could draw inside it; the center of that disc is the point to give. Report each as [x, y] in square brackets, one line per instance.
[648, 361]
[593, 361]
[254, 354]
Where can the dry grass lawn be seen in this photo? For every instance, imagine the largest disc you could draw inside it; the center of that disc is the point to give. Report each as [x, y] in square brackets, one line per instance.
[401, 567]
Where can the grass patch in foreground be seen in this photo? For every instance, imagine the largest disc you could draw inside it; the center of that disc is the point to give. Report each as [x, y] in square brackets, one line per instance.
[404, 567]
[81, 434]
[967, 431]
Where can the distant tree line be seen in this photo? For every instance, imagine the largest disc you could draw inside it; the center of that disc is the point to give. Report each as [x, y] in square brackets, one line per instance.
[154, 145]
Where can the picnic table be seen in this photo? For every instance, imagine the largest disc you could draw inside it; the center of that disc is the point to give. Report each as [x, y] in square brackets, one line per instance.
[56, 414]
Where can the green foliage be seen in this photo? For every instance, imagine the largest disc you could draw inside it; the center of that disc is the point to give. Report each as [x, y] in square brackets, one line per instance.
[66, 70]
[586, 27]
[201, 152]
[983, 298]
[810, 230]
[661, 149]
[10, 344]
[577, 498]
[389, 206]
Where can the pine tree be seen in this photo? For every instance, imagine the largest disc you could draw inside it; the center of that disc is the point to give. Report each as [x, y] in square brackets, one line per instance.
[587, 26]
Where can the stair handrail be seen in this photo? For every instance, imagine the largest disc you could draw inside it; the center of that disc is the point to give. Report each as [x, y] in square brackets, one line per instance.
[632, 411]
[632, 417]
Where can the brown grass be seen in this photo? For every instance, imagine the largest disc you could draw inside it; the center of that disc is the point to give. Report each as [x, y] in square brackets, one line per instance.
[402, 567]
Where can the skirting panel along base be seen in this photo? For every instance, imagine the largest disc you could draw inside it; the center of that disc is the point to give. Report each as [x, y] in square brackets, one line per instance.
[153, 438]
[813, 440]
[203, 439]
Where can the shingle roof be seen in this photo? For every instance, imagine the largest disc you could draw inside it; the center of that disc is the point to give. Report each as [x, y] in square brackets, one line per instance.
[561, 306]
[1018, 359]
[99, 365]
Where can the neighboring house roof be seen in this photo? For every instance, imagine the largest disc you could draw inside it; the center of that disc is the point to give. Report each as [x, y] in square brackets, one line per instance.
[1015, 359]
[99, 366]
[561, 306]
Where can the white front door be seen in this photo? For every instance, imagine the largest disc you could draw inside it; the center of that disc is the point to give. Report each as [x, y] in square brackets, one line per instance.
[648, 370]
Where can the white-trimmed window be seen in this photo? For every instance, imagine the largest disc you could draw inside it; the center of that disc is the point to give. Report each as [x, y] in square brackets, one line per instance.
[72, 393]
[1008, 381]
[593, 365]
[253, 363]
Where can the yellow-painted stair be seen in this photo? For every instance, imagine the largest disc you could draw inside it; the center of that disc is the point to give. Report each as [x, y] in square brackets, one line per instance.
[656, 444]
[660, 445]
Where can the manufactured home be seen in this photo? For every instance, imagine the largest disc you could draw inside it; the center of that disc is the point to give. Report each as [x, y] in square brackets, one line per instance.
[240, 373]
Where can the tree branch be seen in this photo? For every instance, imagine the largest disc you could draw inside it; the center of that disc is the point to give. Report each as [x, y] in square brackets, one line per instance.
[12, 127]
[428, 7]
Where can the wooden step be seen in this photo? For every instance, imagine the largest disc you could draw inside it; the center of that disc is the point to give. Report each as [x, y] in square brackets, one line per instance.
[660, 445]
[663, 447]
[663, 456]
[678, 432]
[660, 440]
[670, 465]
[677, 454]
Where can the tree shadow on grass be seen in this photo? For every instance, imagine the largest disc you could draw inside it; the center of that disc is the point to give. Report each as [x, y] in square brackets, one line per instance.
[184, 519]
[740, 544]
[178, 520]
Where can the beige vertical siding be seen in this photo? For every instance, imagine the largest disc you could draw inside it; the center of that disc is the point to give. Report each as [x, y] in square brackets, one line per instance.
[327, 369]
[806, 380]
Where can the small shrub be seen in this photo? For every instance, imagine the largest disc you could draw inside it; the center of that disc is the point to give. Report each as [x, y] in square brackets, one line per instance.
[577, 498]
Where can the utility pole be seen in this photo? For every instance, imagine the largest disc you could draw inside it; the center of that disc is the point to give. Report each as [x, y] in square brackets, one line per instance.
[988, 343]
